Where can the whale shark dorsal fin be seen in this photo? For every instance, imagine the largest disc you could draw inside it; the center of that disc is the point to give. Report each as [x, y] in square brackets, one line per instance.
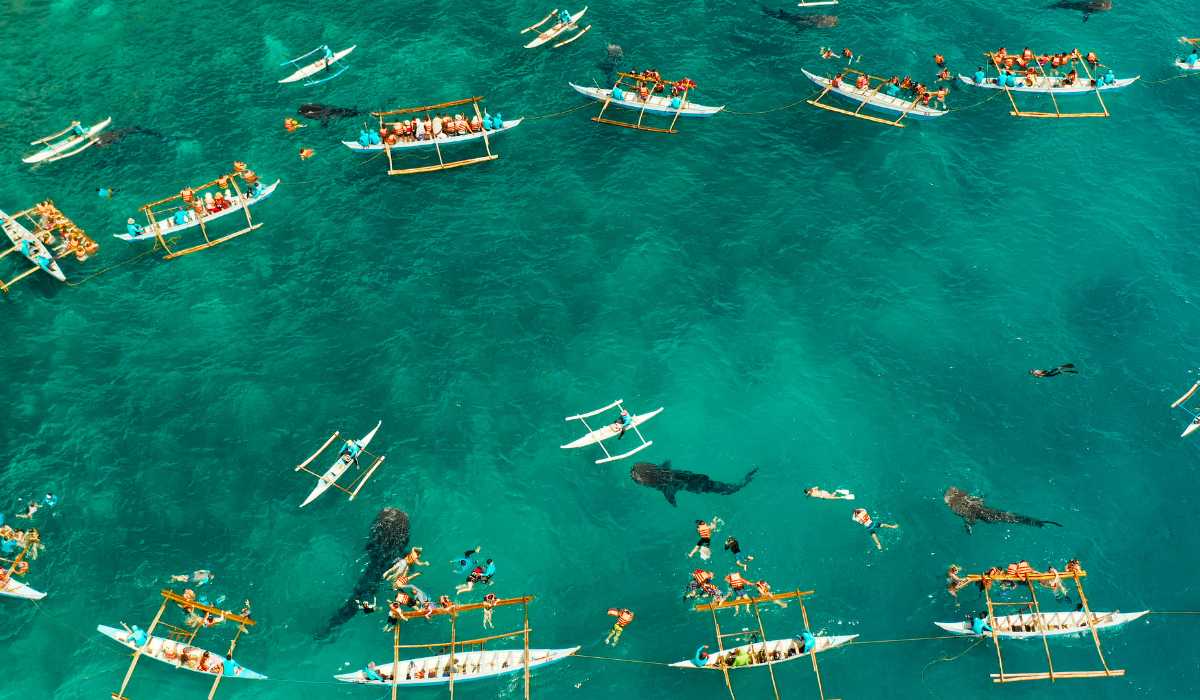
[666, 464]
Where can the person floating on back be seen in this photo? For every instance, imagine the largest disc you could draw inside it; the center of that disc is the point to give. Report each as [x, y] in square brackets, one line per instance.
[1054, 372]
[835, 495]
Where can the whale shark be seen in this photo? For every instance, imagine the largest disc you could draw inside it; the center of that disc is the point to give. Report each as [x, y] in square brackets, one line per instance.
[324, 113]
[801, 21]
[672, 481]
[387, 541]
[1087, 7]
[972, 509]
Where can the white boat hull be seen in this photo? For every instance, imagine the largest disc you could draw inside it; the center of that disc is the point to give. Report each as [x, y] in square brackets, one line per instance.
[655, 104]
[317, 66]
[878, 101]
[1056, 624]
[783, 646]
[470, 666]
[167, 226]
[1192, 427]
[17, 233]
[1183, 65]
[157, 648]
[331, 475]
[558, 28]
[1049, 85]
[70, 146]
[15, 589]
[608, 431]
[429, 143]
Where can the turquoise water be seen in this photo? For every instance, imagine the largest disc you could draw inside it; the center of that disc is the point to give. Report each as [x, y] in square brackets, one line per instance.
[833, 302]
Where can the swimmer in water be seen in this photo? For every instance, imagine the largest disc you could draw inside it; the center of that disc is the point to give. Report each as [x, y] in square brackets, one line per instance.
[367, 606]
[836, 495]
[105, 192]
[624, 617]
[30, 510]
[466, 562]
[1054, 372]
[735, 548]
[306, 153]
[291, 124]
[954, 582]
[705, 532]
[863, 518]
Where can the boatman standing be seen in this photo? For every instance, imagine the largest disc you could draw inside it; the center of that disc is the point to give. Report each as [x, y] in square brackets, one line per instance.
[564, 16]
[77, 129]
[328, 57]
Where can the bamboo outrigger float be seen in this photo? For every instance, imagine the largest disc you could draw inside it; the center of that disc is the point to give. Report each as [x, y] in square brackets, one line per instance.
[193, 207]
[459, 663]
[1030, 76]
[436, 143]
[176, 649]
[767, 652]
[49, 237]
[1002, 627]
[643, 93]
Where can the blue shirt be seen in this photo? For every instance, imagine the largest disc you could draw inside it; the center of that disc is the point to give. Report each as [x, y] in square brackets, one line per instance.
[699, 660]
[979, 625]
[980, 77]
[231, 667]
[489, 570]
[371, 675]
[564, 16]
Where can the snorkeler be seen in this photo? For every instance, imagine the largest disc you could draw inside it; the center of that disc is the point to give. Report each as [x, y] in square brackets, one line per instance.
[466, 562]
[863, 518]
[1061, 369]
[705, 531]
[835, 495]
[624, 617]
[733, 547]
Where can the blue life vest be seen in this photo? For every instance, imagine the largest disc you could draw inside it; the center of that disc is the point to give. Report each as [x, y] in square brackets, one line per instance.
[373, 138]
[363, 138]
[180, 217]
[618, 93]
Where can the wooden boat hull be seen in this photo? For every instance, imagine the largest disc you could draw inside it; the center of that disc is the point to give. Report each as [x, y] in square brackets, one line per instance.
[608, 431]
[656, 104]
[17, 233]
[552, 33]
[317, 66]
[157, 648]
[1057, 624]
[1049, 85]
[783, 646]
[15, 589]
[878, 102]
[69, 147]
[339, 467]
[441, 143]
[167, 227]
[477, 665]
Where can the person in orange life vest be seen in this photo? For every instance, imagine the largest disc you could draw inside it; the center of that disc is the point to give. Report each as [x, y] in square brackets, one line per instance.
[863, 518]
[624, 617]
[705, 532]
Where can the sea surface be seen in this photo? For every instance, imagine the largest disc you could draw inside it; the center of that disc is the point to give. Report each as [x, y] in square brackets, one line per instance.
[830, 301]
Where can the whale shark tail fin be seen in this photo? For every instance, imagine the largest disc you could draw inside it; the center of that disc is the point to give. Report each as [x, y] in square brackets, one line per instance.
[1042, 523]
[749, 475]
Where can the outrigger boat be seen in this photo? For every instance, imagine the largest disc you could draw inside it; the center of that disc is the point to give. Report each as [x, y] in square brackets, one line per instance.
[179, 648]
[467, 666]
[1192, 62]
[193, 207]
[646, 93]
[1179, 403]
[877, 94]
[566, 22]
[323, 64]
[1027, 75]
[349, 456]
[1032, 622]
[78, 140]
[395, 135]
[34, 245]
[1029, 625]
[777, 650]
[616, 429]
[19, 566]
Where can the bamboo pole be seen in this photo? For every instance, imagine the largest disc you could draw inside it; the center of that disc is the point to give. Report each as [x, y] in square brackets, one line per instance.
[761, 599]
[453, 640]
[396, 658]
[721, 652]
[1091, 622]
[466, 642]
[671, 128]
[487, 145]
[426, 108]
[137, 654]
[770, 667]
[813, 653]
[176, 598]
[1041, 624]
[992, 622]
[411, 614]
[526, 640]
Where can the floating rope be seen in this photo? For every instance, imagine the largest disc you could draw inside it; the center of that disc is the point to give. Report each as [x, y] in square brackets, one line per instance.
[113, 267]
[628, 661]
[559, 114]
[767, 111]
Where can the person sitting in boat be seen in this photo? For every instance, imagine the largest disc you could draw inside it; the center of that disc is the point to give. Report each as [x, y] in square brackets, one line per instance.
[1109, 77]
[133, 228]
[1193, 59]
[907, 83]
[979, 623]
[836, 81]
[742, 658]
[980, 76]
[701, 657]
[643, 93]
[350, 452]
[1030, 77]
[1026, 56]
[77, 129]
[564, 17]
[419, 131]
[623, 422]
[136, 635]
[461, 127]
[1071, 77]
[476, 124]
[371, 673]
[862, 82]
[807, 642]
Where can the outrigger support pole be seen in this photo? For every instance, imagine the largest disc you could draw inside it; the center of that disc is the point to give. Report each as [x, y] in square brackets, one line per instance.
[137, 654]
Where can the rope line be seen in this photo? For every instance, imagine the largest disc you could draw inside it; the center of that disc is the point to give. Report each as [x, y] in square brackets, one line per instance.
[114, 266]
[559, 114]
